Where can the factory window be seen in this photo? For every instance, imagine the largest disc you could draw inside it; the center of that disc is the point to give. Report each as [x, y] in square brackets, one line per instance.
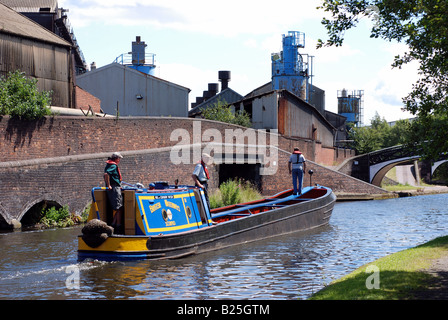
[248, 108]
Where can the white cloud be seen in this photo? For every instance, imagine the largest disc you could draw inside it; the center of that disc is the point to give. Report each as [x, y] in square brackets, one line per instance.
[224, 18]
[251, 43]
[385, 91]
[330, 54]
[242, 35]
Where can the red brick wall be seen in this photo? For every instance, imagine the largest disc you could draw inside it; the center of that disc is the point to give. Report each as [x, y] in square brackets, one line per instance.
[84, 99]
[60, 159]
[339, 182]
[68, 180]
[62, 136]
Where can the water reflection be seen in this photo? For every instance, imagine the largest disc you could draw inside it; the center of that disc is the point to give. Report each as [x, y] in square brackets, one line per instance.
[33, 265]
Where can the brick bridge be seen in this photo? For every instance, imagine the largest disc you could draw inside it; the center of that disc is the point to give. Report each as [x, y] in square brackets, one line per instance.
[59, 159]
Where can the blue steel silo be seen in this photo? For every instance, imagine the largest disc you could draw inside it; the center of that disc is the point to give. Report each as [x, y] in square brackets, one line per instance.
[290, 70]
[351, 105]
[138, 59]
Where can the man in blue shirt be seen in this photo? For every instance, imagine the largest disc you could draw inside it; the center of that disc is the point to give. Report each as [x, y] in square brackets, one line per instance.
[298, 163]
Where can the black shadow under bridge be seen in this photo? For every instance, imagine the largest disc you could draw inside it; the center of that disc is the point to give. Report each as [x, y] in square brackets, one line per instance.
[372, 167]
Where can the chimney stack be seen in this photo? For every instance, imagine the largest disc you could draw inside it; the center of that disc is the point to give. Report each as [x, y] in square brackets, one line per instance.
[224, 77]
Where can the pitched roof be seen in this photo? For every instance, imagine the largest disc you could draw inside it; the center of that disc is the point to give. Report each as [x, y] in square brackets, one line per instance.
[115, 65]
[228, 95]
[14, 23]
[31, 5]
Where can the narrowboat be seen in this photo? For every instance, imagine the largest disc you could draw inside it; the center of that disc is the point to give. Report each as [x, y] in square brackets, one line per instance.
[171, 221]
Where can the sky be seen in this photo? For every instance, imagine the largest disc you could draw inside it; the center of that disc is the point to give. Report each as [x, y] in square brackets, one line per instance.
[193, 40]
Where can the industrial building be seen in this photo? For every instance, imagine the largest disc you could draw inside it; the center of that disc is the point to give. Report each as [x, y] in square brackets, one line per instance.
[48, 14]
[212, 97]
[40, 54]
[290, 115]
[127, 88]
[289, 103]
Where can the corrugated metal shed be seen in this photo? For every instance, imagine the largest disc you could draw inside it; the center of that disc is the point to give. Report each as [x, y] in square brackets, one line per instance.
[31, 5]
[30, 48]
[16, 24]
[291, 115]
[300, 119]
[134, 92]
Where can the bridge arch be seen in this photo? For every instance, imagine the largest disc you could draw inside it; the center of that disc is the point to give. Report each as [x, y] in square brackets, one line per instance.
[5, 220]
[379, 170]
[27, 211]
[381, 161]
[436, 165]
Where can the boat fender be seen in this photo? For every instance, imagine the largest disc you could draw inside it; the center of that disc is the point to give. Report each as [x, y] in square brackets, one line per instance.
[95, 232]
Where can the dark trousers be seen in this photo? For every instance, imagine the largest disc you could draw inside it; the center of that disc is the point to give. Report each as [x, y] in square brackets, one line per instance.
[205, 184]
[297, 176]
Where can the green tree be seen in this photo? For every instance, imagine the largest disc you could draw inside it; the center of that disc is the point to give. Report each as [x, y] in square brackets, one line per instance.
[364, 140]
[427, 135]
[19, 97]
[423, 26]
[368, 139]
[379, 135]
[399, 133]
[220, 111]
[381, 129]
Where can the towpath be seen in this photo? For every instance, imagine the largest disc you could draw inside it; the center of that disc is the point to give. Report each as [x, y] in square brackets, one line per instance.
[437, 287]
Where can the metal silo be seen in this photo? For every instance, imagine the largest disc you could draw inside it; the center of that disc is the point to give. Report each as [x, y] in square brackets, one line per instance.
[290, 70]
[350, 105]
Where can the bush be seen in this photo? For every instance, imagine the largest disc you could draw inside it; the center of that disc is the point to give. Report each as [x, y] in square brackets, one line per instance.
[57, 217]
[220, 111]
[230, 193]
[19, 97]
[233, 192]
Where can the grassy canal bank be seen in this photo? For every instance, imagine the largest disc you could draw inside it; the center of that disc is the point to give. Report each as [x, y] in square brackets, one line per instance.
[416, 273]
[397, 191]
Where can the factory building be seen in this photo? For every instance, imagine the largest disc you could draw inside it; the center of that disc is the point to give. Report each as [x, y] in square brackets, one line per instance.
[39, 53]
[289, 103]
[49, 15]
[127, 87]
[212, 97]
[290, 115]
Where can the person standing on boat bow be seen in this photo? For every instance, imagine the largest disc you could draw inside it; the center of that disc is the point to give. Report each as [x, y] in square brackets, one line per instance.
[112, 178]
[201, 175]
[298, 163]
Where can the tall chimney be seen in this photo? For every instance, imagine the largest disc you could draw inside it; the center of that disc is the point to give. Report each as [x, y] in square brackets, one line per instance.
[224, 77]
[138, 51]
[213, 89]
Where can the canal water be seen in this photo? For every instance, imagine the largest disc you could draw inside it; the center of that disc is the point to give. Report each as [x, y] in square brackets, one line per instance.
[43, 264]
